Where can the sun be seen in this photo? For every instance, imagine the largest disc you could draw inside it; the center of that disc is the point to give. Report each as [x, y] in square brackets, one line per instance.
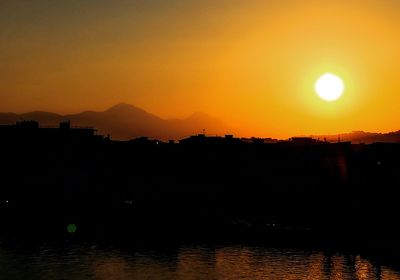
[329, 87]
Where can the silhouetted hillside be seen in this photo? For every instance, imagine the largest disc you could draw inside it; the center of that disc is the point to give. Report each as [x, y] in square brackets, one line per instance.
[363, 137]
[125, 121]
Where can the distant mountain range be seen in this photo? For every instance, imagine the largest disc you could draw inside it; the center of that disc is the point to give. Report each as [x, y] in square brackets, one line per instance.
[125, 121]
[357, 137]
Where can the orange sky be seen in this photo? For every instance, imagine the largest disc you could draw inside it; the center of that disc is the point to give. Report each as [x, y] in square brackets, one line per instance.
[251, 63]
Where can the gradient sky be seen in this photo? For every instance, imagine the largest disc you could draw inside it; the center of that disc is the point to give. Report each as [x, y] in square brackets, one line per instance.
[251, 63]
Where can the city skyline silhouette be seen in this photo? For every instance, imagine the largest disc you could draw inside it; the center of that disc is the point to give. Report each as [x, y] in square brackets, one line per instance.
[199, 139]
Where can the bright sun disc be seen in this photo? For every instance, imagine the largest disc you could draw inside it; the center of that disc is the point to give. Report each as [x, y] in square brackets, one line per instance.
[329, 87]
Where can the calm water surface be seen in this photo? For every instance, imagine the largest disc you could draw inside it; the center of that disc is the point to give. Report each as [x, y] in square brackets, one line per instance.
[186, 262]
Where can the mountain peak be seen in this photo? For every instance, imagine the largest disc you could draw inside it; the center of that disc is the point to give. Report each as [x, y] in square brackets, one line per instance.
[123, 106]
[126, 109]
[199, 116]
[126, 121]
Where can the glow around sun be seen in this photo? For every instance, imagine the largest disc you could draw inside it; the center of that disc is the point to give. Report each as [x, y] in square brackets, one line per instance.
[329, 87]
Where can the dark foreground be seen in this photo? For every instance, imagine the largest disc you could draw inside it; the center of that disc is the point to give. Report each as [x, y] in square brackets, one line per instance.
[61, 182]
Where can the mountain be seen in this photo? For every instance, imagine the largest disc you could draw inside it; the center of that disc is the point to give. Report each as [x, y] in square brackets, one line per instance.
[362, 137]
[124, 121]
